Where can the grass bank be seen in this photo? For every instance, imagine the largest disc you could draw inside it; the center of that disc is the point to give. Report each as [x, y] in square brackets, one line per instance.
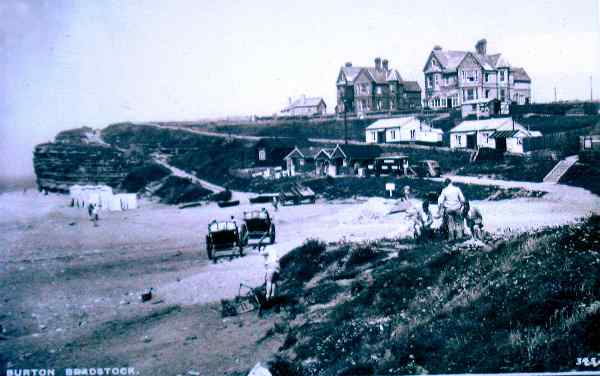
[531, 303]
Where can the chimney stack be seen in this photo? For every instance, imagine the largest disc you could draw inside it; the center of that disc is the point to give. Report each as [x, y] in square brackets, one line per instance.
[378, 63]
[437, 47]
[385, 64]
[481, 47]
[349, 64]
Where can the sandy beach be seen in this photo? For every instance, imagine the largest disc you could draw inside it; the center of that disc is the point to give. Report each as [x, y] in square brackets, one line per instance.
[70, 291]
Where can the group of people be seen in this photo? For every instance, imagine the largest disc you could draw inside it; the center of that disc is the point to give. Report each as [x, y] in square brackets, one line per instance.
[455, 211]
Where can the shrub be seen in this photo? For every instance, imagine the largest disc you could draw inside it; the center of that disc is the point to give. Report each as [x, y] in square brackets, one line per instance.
[139, 177]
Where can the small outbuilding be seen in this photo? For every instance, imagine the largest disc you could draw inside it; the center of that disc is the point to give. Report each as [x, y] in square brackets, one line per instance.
[351, 159]
[502, 134]
[302, 160]
[403, 130]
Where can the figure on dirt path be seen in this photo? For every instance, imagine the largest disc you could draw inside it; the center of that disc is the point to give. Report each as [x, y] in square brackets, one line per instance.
[450, 205]
[93, 213]
[474, 220]
[271, 267]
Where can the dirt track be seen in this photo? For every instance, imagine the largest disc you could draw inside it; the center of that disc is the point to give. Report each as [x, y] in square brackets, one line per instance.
[70, 291]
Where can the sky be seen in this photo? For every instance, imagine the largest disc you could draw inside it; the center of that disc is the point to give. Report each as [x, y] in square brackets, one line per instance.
[65, 64]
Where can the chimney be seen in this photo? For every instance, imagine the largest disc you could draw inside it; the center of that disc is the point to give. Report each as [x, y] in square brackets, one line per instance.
[437, 47]
[349, 64]
[481, 46]
[385, 64]
[377, 63]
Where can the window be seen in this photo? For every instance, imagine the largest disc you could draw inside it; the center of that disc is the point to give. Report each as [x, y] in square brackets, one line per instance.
[487, 78]
[413, 134]
[502, 74]
[587, 143]
[502, 94]
[519, 141]
[455, 100]
[262, 155]
[487, 93]
[429, 82]
[436, 82]
[393, 135]
[470, 94]
[379, 91]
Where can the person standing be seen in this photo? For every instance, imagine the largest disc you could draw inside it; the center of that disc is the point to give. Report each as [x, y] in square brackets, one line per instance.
[271, 267]
[450, 203]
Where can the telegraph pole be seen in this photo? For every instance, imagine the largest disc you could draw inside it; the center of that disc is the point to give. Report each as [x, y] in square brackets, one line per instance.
[555, 96]
[591, 90]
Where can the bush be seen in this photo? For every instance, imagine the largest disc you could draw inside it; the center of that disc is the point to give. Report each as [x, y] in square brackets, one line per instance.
[139, 177]
[177, 190]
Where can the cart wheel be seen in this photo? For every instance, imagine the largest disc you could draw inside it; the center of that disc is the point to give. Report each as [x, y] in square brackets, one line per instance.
[209, 250]
[272, 237]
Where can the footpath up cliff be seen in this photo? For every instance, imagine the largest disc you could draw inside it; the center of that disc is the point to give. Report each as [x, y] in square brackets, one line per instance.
[79, 156]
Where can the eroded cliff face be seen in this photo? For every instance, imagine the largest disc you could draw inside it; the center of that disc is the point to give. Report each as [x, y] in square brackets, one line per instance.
[58, 165]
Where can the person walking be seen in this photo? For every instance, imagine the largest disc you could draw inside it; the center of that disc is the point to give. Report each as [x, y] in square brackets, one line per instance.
[450, 204]
[271, 267]
[275, 203]
[93, 211]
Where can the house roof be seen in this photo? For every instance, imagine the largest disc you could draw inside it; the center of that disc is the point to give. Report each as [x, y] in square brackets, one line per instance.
[327, 153]
[351, 73]
[494, 124]
[521, 75]
[305, 152]
[359, 151]
[504, 134]
[412, 86]
[450, 60]
[394, 123]
[402, 122]
[305, 102]
[392, 156]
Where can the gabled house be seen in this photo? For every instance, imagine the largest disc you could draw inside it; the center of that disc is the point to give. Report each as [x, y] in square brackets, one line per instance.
[270, 152]
[455, 77]
[302, 160]
[402, 130]
[362, 90]
[349, 159]
[305, 106]
[502, 134]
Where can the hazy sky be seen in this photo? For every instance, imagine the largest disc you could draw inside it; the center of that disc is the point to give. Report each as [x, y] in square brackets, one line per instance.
[65, 64]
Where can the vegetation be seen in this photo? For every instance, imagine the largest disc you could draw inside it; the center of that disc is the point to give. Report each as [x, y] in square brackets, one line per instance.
[511, 168]
[585, 176]
[177, 190]
[554, 124]
[531, 303]
[141, 176]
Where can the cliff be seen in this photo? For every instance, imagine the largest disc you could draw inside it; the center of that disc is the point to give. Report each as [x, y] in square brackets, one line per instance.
[59, 165]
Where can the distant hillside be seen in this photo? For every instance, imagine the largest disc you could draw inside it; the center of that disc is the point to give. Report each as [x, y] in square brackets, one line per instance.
[529, 303]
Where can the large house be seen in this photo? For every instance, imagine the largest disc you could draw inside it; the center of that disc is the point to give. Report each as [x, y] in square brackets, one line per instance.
[502, 134]
[361, 90]
[404, 129]
[455, 77]
[304, 106]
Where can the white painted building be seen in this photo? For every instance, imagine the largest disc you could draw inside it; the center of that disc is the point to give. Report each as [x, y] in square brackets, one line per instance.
[503, 134]
[405, 129]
